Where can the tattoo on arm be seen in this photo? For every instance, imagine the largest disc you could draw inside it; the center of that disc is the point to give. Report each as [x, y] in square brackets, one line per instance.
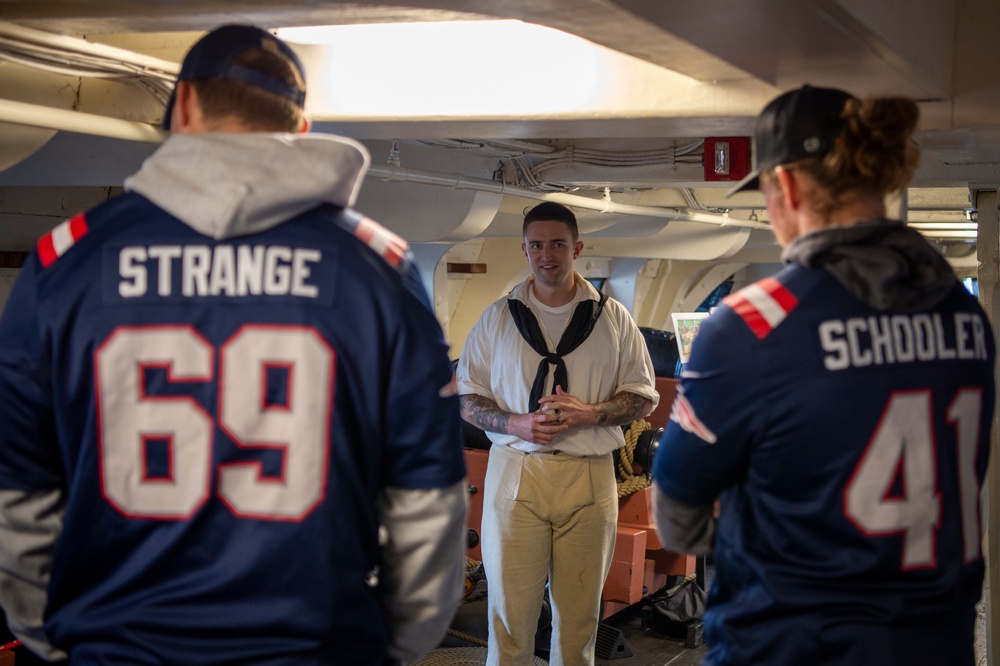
[483, 413]
[622, 409]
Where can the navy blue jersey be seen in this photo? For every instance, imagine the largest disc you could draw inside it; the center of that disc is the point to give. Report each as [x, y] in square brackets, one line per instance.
[847, 447]
[221, 415]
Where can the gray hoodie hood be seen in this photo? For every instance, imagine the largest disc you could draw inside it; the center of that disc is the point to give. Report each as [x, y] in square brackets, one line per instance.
[225, 185]
[884, 263]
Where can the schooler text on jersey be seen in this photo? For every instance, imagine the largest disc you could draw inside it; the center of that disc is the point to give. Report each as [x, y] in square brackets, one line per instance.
[863, 341]
[223, 270]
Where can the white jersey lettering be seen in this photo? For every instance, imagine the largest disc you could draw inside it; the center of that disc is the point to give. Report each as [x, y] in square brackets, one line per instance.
[225, 270]
[858, 342]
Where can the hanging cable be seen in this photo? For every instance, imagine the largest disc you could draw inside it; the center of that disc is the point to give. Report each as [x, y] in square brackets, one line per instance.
[70, 56]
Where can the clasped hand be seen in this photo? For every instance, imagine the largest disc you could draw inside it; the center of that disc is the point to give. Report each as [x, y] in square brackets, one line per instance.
[556, 414]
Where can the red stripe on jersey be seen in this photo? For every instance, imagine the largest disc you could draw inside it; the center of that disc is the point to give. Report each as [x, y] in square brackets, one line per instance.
[751, 316]
[54, 244]
[390, 247]
[46, 252]
[683, 413]
[763, 305]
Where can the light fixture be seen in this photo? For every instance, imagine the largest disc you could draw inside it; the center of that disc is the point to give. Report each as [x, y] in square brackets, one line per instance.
[445, 69]
[469, 70]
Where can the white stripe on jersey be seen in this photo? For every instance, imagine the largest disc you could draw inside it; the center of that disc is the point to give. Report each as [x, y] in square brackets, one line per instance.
[769, 308]
[62, 238]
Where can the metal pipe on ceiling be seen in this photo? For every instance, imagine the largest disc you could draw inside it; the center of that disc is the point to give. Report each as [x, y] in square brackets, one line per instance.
[35, 115]
[47, 117]
[15, 33]
[389, 172]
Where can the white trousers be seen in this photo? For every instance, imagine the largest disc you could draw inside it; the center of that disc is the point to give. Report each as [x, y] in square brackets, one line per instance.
[546, 517]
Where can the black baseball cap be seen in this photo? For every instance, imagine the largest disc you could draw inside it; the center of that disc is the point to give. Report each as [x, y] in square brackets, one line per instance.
[798, 124]
[213, 56]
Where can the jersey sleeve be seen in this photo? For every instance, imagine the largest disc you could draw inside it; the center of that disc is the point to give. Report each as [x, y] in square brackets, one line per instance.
[31, 487]
[423, 562]
[423, 431]
[423, 509]
[28, 454]
[715, 417]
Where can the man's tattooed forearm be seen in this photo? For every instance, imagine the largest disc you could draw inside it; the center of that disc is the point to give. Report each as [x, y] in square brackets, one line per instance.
[484, 413]
[622, 409]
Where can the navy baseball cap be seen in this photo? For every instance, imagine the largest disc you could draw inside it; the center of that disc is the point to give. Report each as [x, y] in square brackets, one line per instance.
[213, 56]
[798, 124]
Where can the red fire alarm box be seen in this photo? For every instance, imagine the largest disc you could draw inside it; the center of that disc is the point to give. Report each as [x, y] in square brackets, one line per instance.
[727, 157]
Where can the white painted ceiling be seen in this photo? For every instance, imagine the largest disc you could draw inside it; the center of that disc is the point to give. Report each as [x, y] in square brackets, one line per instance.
[678, 71]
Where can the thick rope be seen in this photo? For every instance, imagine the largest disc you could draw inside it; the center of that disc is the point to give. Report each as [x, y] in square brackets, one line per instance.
[468, 638]
[473, 574]
[632, 482]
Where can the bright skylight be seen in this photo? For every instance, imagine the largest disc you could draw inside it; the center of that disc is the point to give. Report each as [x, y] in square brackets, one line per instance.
[467, 69]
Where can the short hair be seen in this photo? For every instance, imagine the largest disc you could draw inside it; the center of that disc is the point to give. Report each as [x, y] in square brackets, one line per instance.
[255, 107]
[549, 211]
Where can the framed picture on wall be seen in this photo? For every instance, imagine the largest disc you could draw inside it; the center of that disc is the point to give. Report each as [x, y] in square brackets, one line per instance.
[686, 325]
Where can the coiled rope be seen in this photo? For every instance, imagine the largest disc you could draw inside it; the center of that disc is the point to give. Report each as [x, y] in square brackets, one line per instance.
[468, 638]
[632, 482]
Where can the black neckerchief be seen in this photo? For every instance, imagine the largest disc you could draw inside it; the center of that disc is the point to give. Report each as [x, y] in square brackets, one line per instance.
[578, 330]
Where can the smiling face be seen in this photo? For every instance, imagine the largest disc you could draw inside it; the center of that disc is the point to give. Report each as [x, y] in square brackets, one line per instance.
[551, 249]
